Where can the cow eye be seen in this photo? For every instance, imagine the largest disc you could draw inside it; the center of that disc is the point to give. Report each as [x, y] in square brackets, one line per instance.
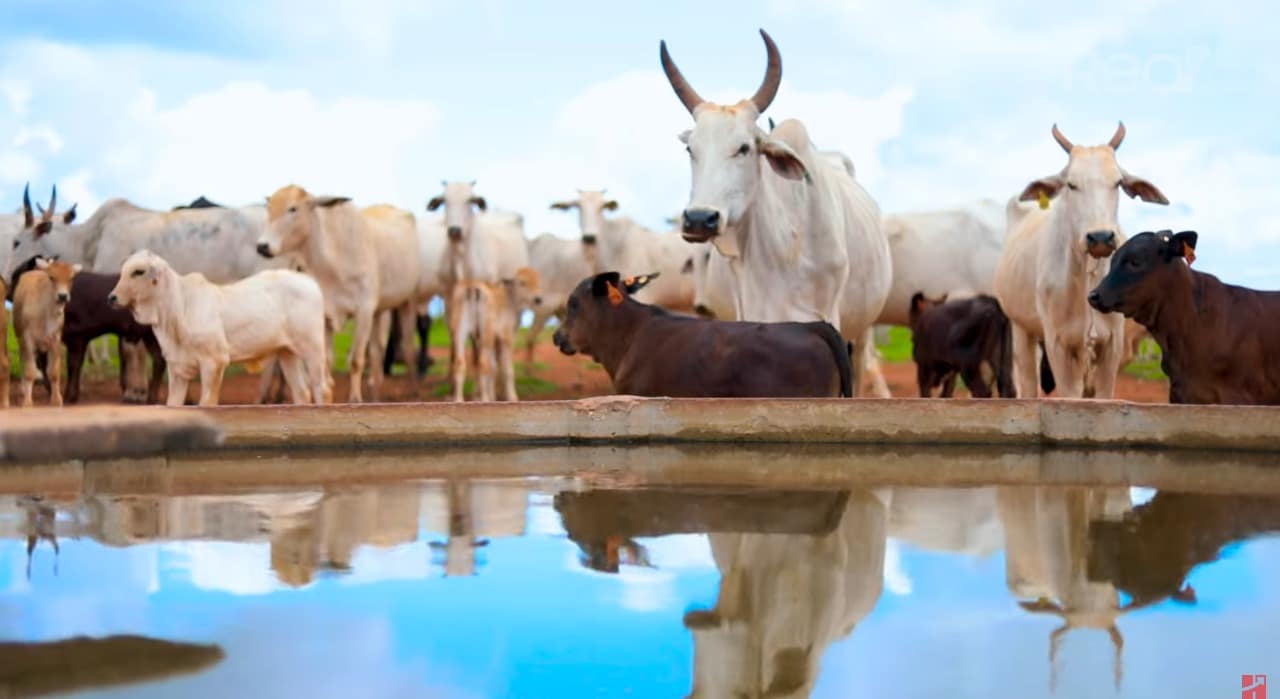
[1072, 187]
[744, 149]
[1133, 263]
[15, 245]
[138, 272]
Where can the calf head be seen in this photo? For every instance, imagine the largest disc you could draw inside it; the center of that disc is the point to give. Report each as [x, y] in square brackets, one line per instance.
[460, 204]
[592, 307]
[1143, 271]
[591, 206]
[1087, 191]
[522, 289]
[144, 278]
[60, 275]
[727, 150]
[921, 303]
[292, 219]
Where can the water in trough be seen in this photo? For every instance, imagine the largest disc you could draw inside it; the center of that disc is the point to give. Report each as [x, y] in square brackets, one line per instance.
[642, 572]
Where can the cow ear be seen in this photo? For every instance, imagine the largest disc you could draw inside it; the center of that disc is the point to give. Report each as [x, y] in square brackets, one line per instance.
[684, 136]
[634, 284]
[918, 303]
[435, 203]
[1138, 188]
[42, 228]
[784, 161]
[564, 205]
[601, 283]
[326, 202]
[611, 205]
[1184, 245]
[480, 203]
[70, 216]
[1046, 187]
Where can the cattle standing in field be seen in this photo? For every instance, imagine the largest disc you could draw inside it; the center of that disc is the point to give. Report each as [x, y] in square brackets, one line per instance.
[38, 303]
[433, 244]
[1219, 342]
[87, 316]
[802, 239]
[202, 327]
[487, 315]
[560, 263]
[650, 352]
[1053, 257]
[622, 244]
[966, 337]
[364, 261]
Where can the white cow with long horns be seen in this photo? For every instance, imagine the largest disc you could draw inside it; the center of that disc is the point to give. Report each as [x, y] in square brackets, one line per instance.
[802, 238]
[1053, 256]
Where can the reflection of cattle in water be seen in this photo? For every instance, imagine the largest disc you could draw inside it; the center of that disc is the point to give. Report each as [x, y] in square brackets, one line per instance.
[41, 522]
[953, 520]
[1149, 553]
[469, 513]
[605, 523]
[1046, 556]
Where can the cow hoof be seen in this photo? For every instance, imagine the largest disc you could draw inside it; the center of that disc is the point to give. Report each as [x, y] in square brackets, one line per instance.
[130, 398]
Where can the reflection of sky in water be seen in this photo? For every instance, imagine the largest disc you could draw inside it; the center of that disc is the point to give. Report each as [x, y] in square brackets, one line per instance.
[534, 623]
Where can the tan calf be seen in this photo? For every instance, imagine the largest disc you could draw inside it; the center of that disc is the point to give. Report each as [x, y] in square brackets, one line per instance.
[487, 314]
[38, 304]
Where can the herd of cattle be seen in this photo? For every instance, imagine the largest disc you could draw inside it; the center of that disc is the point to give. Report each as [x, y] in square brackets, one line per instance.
[780, 249]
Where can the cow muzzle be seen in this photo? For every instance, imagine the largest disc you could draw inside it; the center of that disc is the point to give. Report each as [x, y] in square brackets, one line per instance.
[62, 298]
[704, 312]
[562, 342]
[700, 225]
[588, 238]
[264, 249]
[114, 301]
[455, 233]
[1099, 303]
[1100, 244]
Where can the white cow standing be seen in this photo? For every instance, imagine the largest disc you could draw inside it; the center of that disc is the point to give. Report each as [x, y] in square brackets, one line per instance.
[488, 246]
[626, 247]
[561, 263]
[1054, 257]
[364, 260]
[802, 238]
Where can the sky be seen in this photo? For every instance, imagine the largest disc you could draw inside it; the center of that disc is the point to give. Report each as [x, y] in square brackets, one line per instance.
[381, 100]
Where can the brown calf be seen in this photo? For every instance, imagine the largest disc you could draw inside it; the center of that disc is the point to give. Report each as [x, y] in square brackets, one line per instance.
[38, 304]
[968, 337]
[488, 314]
[1220, 342]
[650, 352]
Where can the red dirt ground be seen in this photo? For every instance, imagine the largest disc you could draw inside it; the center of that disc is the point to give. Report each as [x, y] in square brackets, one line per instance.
[568, 377]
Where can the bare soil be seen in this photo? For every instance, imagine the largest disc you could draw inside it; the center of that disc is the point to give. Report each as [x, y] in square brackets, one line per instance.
[551, 376]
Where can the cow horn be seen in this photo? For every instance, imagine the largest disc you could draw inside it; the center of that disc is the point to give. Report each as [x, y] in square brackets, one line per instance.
[688, 96]
[772, 75]
[53, 203]
[26, 205]
[1062, 140]
[1118, 138]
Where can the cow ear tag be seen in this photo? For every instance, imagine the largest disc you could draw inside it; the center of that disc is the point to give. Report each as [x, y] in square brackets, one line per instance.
[1043, 199]
[615, 296]
[1188, 253]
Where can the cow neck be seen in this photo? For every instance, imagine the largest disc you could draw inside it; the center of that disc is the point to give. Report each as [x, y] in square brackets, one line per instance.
[620, 326]
[170, 310]
[1172, 318]
[1083, 272]
[321, 257]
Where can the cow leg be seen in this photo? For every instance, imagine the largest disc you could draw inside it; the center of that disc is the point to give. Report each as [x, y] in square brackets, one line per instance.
[27, 352]
[177, 389]
[295, 376]
[505, 350]
[1026, 380]
[42, 376]
[53, 372]
[131, 377]
[924, 381]
[157, 368]
[1067, 366]
[393, 340]
[267, 381]
[359, 351]
[977, 383]
[211, 381]
[871, 359]
[377, 350]
[424, 344]
[457, 367]
[406, 322]
[1107, 369]
[948, 385]
[540, 318]
[76, 348]
[4, 356]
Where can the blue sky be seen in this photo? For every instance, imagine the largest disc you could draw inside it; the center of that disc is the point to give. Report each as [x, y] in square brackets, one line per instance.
[382, 99]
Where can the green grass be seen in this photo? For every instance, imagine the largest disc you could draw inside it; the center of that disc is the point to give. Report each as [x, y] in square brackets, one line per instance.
[526, 385]
[898, 348]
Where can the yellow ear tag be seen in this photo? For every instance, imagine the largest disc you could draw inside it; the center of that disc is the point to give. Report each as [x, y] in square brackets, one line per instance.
[1188, 253]
[1044, 200]
[615, 296]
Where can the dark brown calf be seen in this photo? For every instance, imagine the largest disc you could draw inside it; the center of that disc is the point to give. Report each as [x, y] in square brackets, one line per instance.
[1220, 343]
[650, 352]
[969, 338]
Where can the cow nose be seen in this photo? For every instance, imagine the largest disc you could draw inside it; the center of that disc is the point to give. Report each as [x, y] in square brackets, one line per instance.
[264, 250]
[113, 301]
[1107, 238]
[1095, 299]
[589, 239]
[63, 297]
[537, 300]
[703, 311]
[455, 233]
[705, 222]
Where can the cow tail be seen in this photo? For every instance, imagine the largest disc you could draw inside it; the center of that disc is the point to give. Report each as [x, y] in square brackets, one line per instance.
[842, 351]
[1047, 382]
